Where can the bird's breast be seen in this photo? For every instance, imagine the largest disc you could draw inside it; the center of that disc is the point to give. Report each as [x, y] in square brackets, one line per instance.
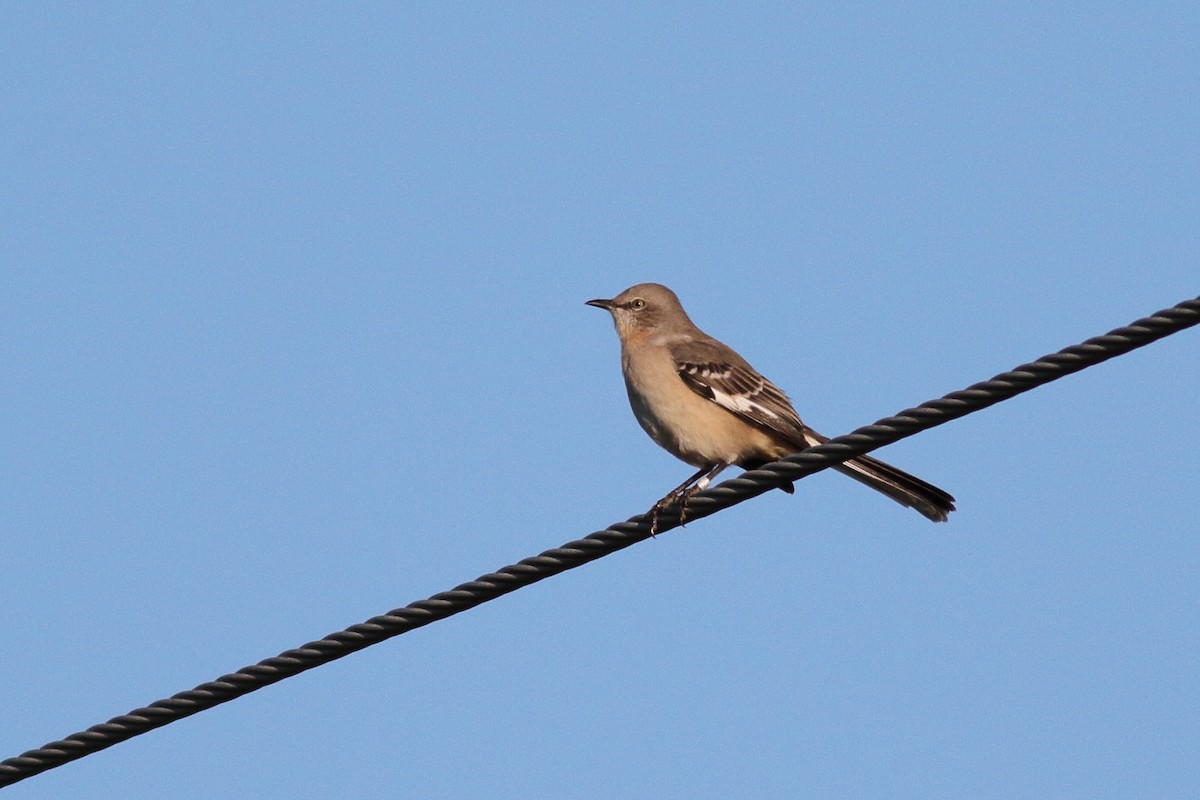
[687, 425]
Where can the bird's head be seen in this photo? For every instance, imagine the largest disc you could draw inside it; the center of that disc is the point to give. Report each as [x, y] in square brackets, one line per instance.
[645, 308]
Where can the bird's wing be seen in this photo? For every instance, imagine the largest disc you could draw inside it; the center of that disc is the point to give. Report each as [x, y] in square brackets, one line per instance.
[712, 370]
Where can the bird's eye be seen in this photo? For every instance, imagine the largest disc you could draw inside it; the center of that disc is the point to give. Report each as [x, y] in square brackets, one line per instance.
[638, 304]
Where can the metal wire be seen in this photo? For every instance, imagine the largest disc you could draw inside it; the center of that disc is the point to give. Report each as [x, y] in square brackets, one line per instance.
[597, 545]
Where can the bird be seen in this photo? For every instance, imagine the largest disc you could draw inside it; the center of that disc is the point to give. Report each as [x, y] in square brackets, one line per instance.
[703, 403]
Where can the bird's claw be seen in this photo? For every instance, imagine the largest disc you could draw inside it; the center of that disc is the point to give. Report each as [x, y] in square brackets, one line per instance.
[680, 497]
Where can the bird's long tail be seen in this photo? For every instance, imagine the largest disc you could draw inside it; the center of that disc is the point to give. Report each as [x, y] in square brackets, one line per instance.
[907, 490]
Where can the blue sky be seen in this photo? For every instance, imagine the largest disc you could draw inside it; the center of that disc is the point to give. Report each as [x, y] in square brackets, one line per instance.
[293, 334]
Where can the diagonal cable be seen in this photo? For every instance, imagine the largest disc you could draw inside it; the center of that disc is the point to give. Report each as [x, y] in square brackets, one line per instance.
[597, 545]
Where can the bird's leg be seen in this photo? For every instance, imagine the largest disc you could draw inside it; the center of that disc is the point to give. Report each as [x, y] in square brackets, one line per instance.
[672, 496]
[699, 486]
[696, 483]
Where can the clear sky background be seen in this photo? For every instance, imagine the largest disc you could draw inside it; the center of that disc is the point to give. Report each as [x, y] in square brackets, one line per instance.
[292, 333]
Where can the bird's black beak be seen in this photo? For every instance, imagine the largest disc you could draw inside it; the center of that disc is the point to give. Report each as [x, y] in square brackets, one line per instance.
[598, 303]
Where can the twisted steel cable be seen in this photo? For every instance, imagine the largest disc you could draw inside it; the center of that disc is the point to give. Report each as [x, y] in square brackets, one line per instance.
[597, 545]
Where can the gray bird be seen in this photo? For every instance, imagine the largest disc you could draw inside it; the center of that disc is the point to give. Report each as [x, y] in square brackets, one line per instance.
[704, 404]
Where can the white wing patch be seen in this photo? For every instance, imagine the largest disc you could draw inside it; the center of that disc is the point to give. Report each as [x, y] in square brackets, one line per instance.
[741, 403]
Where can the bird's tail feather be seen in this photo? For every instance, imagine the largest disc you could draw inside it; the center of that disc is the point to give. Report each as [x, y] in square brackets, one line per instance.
[907, 490]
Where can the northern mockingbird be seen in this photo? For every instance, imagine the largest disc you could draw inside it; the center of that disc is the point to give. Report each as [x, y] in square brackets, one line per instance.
[707, 406]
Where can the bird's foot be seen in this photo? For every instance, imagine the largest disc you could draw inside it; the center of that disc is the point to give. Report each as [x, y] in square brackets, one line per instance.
[678, 497]
[655, 510]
